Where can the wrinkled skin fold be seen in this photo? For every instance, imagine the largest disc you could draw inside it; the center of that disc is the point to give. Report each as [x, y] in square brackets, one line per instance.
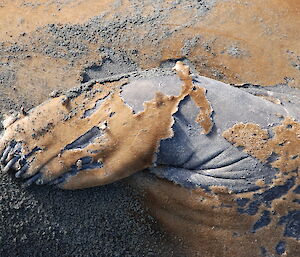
[210, 149]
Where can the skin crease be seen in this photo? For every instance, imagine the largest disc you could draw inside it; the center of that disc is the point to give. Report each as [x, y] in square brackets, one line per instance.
[209, 222]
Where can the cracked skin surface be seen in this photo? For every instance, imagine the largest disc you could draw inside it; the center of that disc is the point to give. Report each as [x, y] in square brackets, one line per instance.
[213, 222]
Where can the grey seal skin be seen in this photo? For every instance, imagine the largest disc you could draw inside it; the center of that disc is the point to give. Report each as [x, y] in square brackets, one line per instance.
[187, 156]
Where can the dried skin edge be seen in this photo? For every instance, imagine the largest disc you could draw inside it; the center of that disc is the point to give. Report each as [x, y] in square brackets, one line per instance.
[251, 137]
[271, 99]
[256, 142]
[204, 116]
[198, 96]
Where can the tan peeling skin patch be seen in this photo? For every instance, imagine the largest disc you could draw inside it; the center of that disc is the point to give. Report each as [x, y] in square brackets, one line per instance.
[256, 142]
[251, 137]
[286, 144]
[270, 99]
[204, 116]
[128, 137]
[198, 95]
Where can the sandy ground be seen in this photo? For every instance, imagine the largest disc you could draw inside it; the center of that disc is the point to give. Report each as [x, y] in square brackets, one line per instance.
[48, 45]
[106, 221]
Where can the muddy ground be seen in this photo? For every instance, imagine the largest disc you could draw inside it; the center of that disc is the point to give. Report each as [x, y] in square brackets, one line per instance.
[51, 45]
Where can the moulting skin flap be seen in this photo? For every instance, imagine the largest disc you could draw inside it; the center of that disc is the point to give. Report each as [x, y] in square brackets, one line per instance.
[198, 95]
[256, 141]
[204, 116]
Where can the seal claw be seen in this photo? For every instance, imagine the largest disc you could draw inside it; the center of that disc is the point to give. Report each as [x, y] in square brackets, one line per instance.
[5, 153]
[22, 170]
[14, 152]
[11, 163]
[57, 181]
[32, 180]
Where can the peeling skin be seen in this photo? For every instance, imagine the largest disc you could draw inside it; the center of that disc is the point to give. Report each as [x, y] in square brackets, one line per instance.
[270, 98]
[124, 131]
[256, 141]
[251, 137]
[204, 116]
[286, 144]
[198, 95]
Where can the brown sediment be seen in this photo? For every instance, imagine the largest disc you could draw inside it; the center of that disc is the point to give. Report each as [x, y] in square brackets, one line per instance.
[233, 42]
[43, 74]
[265, 33]
[20, 16]
[256, 141]
[237, 41]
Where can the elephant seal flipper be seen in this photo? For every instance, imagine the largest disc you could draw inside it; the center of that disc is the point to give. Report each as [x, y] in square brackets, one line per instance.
[237, 150]
[186, 116]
